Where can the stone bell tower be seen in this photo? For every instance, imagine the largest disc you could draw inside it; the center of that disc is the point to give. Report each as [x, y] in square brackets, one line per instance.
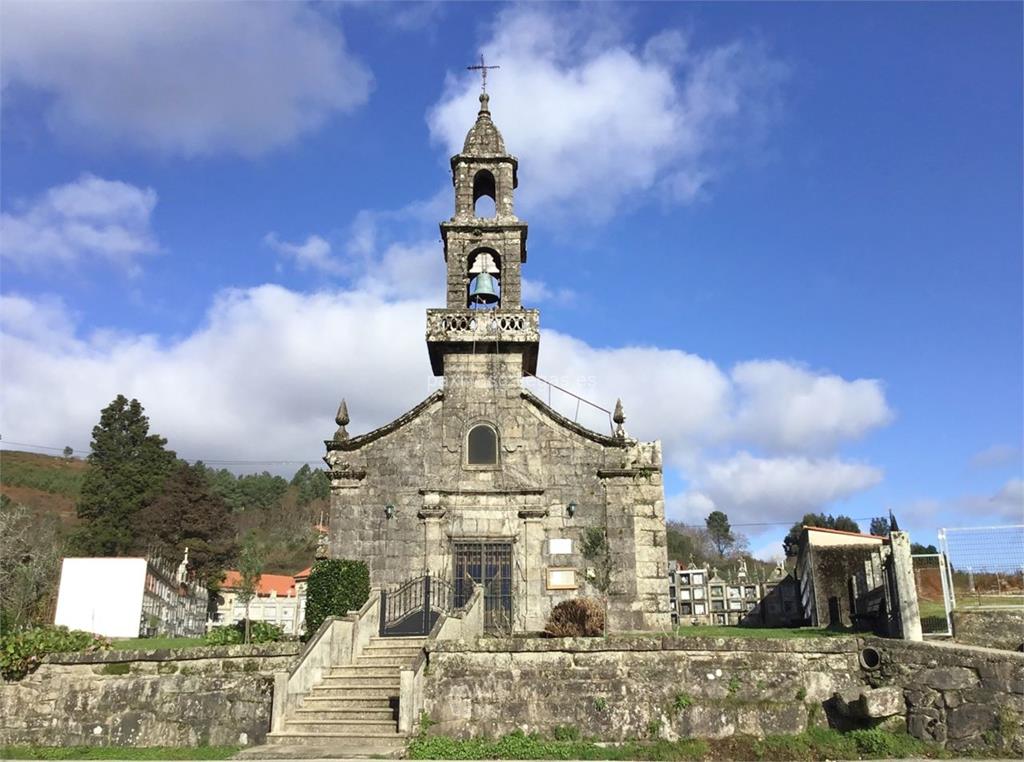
[484, 250]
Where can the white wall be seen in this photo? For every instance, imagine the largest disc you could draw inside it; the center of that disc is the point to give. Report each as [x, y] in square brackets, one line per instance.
[102, 595]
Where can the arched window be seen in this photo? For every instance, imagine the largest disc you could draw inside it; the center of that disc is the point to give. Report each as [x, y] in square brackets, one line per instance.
[482, 446]
[484, 195]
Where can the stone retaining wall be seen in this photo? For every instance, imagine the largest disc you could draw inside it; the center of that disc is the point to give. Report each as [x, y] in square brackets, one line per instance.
[992, 628]
[180, 697]
[964, 697]
[614, 690]
[638, 687]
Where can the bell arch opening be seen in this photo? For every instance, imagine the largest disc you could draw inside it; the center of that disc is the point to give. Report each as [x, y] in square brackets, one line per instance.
[482, 445]
[484, 195]
[483, 290]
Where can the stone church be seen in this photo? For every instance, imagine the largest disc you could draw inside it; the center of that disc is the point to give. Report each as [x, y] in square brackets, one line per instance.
[482, 482]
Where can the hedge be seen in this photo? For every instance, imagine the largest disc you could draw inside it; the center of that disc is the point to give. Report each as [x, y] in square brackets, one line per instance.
[335, 587]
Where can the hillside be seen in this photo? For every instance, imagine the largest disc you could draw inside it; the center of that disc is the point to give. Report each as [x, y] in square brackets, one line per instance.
[47, 484]
[280, 514]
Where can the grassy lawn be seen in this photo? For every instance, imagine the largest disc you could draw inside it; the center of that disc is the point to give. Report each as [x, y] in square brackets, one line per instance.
[117, 752]
[970, 600]
[148, 644]
[814, 744]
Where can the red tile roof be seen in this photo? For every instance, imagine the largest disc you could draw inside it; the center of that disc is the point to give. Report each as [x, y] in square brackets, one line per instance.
[281, 584]
[842, 531]
[304, 574]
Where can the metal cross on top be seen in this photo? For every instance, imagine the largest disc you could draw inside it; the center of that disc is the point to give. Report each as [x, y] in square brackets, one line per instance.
[482, 67]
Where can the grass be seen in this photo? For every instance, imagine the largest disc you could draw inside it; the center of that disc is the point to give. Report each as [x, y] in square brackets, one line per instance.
[42, 472]
[814, 744]
[149, 644]
[118, 752]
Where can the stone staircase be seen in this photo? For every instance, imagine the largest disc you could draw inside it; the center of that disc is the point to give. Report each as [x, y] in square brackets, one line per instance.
[353, 710]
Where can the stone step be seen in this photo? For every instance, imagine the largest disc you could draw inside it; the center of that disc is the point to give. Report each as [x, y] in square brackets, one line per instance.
[358, 681]
[420, 639]
[385, 660]
[312, 701]
[352, 727]
[363, 670]
[292, 751]
[341, 741]
[389, 649]
[326, 713]
[321, 691]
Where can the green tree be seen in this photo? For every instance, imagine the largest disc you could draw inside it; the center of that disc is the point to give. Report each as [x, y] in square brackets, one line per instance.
[127, 467]
[311, 484]
[68, 452]
[792, 541]
[879, 526]
[30, 551]
[187, 514]
[720, 532]
[250, 567]
[917, 548]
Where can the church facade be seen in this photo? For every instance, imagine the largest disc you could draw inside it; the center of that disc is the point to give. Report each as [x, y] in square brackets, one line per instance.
[483, 482]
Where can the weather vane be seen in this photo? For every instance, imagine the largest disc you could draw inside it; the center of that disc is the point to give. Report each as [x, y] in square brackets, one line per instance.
[482, 67]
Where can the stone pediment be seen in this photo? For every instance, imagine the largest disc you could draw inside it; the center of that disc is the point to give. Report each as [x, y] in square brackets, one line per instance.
[556, 417]
[364, 439]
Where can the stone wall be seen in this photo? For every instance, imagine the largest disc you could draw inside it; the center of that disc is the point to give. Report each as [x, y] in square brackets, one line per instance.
[993, 628]
[618, 689]
[182, 697]
[962, 696]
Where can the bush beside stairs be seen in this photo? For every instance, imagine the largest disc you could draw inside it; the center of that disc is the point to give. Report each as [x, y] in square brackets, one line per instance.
[353, 711]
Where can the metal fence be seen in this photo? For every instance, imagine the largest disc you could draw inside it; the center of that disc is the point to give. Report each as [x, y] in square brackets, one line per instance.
[933, 594]
[985, 565]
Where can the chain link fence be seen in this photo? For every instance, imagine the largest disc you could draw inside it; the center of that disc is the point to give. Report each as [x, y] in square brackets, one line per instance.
[985, 565]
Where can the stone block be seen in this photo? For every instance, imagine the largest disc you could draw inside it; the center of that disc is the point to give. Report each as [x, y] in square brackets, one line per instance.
[971, 720]
[948, 678]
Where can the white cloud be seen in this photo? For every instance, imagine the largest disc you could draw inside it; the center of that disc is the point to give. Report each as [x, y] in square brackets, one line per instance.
[596, 121]
[1007, 503]
[312, 254]
[995, 456]
[182, 78]
[538, 292]
[784, 407]
[88, 218]
[776, 489]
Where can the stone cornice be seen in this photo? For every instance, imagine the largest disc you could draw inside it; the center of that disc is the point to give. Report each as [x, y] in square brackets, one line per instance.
[483, 491]
[363, 439]
[613, 473]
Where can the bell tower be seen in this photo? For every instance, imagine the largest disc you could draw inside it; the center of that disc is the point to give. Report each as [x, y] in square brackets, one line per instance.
[484, 250]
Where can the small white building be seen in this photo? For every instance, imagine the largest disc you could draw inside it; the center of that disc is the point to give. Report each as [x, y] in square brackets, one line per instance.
[280, 600]
[129, 598]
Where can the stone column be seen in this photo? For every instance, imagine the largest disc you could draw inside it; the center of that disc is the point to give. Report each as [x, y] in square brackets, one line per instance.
[906, 589]
[532, 554]
[435, 551]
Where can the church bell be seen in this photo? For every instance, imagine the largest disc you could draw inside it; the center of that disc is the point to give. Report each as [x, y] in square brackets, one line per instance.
[483, 289]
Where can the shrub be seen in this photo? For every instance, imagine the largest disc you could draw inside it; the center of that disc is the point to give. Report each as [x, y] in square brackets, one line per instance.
[578, 618]
[264, 632]
[22, 651]
[228, 635]
[335, 587]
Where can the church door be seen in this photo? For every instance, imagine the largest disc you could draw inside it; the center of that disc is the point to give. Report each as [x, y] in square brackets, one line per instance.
[488, 564]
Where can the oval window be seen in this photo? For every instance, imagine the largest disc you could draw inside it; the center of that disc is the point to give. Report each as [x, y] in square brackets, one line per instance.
[483, 446]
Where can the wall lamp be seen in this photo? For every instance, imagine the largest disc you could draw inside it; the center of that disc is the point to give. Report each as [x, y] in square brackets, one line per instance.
[570, 510]
[389, 511]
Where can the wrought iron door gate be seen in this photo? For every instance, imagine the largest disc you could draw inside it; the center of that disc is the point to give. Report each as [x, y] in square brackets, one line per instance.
[488, 564]
[413, 607]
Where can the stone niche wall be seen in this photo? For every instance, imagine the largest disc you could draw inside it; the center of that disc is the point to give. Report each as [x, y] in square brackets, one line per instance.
[620, 689]
[993, 628]
[185, 697]
[964, 697]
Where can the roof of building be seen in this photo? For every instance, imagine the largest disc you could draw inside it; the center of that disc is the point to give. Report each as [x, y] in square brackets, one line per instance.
[483, 138]
[282, 584]
[304, 574]
[843, 531]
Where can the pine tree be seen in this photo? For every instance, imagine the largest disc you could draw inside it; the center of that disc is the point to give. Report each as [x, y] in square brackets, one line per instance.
[879, 526]
[720, 532]
[187, 514]
[127, 467]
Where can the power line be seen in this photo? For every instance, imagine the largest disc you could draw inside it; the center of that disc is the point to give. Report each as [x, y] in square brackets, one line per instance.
[207, 461]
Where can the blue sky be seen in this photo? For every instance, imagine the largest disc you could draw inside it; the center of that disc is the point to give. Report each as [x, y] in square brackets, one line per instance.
[787, 235]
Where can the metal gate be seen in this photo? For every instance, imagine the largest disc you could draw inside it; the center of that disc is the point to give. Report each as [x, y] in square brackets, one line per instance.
[488, 564]
[413, 607]
[933, 594]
